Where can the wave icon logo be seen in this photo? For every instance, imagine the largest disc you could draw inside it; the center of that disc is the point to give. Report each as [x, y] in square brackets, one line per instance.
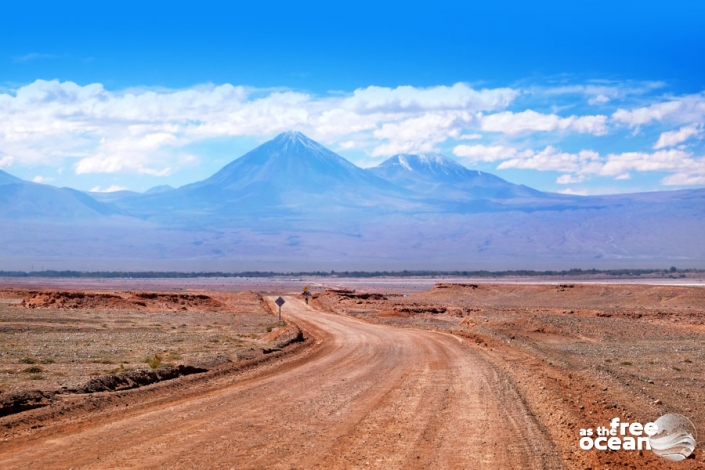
[675, 439]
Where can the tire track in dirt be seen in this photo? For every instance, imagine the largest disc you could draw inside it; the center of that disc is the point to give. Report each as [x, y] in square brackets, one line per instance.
[372, 397]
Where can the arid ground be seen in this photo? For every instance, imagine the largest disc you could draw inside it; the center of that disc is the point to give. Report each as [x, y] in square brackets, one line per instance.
[390, 375]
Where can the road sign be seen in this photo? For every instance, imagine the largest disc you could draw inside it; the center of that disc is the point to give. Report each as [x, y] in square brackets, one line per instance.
[306, 289]
[280, 302]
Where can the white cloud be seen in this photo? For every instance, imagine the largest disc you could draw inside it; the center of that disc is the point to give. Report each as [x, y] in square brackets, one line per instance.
[33, 56]
[6, 161]
[420, 134]
[110, 189]
[147, 130]
[350, 144]
[508, 122]
[573, 192]
[684, 179]
[672, 138]
[482, 153]
[459, 97]
[570, 179]
[578, 167]
[41, 179]
[551, 159]
[601, 91]
[599, 99]
[685, 109]
[150, 131]
[661, 160]
[596, 125]
[470, 137]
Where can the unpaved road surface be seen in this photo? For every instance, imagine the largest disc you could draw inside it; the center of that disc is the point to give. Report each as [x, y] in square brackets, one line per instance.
[368, 396]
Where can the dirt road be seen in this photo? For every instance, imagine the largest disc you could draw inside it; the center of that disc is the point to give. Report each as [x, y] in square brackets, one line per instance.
[371, 396]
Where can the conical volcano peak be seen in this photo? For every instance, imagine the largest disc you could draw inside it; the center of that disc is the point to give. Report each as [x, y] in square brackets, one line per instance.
[296, 138]
[291, 135]
[292, 161]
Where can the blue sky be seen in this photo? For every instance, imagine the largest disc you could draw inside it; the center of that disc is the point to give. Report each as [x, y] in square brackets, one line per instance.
[584, 97]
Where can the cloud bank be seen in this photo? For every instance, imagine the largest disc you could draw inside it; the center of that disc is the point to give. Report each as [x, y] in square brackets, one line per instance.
[149, 131]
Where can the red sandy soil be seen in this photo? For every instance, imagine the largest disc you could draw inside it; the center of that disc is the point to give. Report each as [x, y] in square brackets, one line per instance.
[486, 376]
[130, 300]
[579, 355]
[62, 340]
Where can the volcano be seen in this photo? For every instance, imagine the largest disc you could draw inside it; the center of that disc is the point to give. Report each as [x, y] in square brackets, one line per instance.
[289, 174]
[436, 175]
[293, 204]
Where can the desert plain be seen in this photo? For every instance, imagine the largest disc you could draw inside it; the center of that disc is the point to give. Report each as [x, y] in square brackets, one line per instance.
[384, 373]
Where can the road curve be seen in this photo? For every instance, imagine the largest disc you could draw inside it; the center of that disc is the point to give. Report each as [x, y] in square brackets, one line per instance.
[373, 396]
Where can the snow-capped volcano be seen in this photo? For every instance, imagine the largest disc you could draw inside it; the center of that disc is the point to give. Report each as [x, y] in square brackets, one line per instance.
[292, 202]
[288, 173]
[437, 175]
[291, 160]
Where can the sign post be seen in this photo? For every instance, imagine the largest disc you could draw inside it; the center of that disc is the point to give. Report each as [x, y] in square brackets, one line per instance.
[280, 302]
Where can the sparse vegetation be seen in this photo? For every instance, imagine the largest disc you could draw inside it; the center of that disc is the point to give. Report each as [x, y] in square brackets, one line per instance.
[103, 361]
[625, 363]
[119, 370]
[155, 361]
[88, 349]
[33, 370]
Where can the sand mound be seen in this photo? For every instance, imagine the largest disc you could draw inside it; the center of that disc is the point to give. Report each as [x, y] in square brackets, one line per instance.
[64, 299]
[23, 401]
[136, 300]
[282, 337]
[169, 301]
[138, 378]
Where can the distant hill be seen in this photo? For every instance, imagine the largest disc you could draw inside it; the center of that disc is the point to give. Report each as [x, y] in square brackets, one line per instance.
[21, 199]
[159, 189]
[6, 178]
[292, 204]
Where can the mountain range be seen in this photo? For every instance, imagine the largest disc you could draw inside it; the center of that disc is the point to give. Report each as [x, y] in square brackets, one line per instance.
[293, 204]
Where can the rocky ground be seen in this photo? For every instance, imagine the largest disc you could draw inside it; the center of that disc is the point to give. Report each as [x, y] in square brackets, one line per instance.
[53, 340]
[531, 363]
